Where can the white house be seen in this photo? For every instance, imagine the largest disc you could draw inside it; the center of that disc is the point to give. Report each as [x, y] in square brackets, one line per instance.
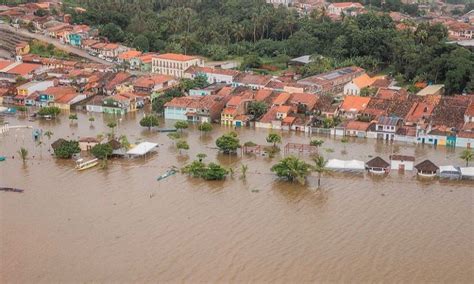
[402, 163]
[363, 81]
[213, 75]
[344, 7]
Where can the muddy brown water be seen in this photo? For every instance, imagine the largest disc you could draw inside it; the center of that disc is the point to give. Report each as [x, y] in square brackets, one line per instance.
[121, 225]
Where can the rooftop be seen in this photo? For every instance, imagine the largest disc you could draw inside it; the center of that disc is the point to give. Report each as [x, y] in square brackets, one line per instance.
[176, 57]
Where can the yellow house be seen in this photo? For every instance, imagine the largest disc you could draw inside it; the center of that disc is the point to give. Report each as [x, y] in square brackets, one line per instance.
[22, 48]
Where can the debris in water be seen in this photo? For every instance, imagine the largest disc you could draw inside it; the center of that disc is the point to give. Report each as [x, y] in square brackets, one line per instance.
[9, 189]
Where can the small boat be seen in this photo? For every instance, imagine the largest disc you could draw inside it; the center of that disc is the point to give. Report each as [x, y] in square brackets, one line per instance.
[168, 173]
[9, 189]
[2, 158]
[167, 130]
[83, 165]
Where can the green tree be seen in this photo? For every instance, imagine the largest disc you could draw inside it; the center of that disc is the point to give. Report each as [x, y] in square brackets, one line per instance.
[257, 108]
[67, 149]
[73, 117]
[48, 133]
[467, 155]
[319, 167]
[52, 111]
[195, 169]
[182, 145]
[91, 120]
[102, 151]
[112, 126]
[251, 61]
[228, 143]
[214, 172]
[316, 142]
[23, 154]
[201, 156]
[113, 32]
[141, 43]
[181, 124]
[124, 141]
[205, 127]
[243, 170]
[292, 168]
[149, 121]
[274, 139]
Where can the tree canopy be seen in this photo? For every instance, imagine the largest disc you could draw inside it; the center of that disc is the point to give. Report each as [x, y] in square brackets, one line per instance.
[67, 149]
[228, 143]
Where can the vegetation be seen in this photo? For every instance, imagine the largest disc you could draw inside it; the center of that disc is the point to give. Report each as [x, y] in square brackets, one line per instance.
[274, 138]
[210, 171]
[124, 141]
[201, 156]
[91, 120]
[182, 145]
[73, 117]
[49, 111]
[174, 135]
[112, 126]
[21, 108]
[47, 50]
[316, 142]
[48, 133]
[67, 149]
[149, 121]
[181, 124]
[319, 167]
[102, 151]
[200, 81]
[257, 109]
[255, 30]
[228, 143]
[291, 169]
[250, 144]
[205, 127]
[23, 154]
[159, 102]
[243, 170]
[467, 155]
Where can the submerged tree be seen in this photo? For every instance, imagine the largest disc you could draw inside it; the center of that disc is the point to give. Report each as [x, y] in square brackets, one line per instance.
[149, 121]
[73, 117]
[319, 167]
[205, 127]
[182, 145]
[467, 155]
[274, 138]
[23, 154]
[292, 168]
[181, 124]
[228, 143]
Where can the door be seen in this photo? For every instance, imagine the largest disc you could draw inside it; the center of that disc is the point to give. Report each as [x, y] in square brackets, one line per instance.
[238, 123]
[422, 140]
[401, 167]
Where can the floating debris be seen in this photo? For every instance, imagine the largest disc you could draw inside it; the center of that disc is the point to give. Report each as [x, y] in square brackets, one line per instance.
[9, 189]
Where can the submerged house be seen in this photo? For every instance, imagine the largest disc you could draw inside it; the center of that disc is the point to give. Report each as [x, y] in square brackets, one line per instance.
[450, 172]
[402, 162]
[426, 169]
[377, 166]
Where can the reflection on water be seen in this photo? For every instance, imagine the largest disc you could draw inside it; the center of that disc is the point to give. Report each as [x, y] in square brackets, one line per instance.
[120, 224]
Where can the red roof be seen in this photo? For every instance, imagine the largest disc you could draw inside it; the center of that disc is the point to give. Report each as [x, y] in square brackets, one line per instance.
[309, 100]
[209, 70]
[129, 54]
[470, 109]
[355, 103]
[347, 5]
[5, 63]
[176, 57]
[24, 69]
[281, 99]
[357, 125]
[151, 80]
[284, 109]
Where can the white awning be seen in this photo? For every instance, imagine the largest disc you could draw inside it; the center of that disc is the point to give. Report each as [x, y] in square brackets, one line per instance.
[444, 169]
[142, 149]
[345, 165]
[467, 172]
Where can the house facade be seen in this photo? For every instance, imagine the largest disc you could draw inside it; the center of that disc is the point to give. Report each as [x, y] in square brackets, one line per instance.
[174, 64]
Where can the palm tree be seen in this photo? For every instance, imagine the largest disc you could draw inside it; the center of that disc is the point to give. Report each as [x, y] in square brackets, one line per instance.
[467, 155]
[319, 167]
[244, 169]
[48, 133]
[112, 125]
[292, 168]
[23, 154]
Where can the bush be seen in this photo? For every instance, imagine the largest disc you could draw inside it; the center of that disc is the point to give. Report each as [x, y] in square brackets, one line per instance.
[67, 149]
[102, 151]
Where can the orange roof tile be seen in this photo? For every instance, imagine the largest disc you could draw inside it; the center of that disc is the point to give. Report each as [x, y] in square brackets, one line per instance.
[24, 69]
[281, 99]
[357, 125]
[284, 109]
[355, 103]
[5, 63]
[129, 54]
[176, 57]
[151, 80]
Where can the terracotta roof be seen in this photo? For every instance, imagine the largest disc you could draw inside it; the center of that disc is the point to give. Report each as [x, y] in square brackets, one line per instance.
[58, 92]
[252, 79]
[365, 80]
[151, 80]
[176, 57]
[117, 79]
[357, 125]
[347, 5]
[129, 54]
[5, 63]
[355, 103]
[110, 46]
[419, 111]
[263, 94]
[209, 70]
[24, 69]
[66, 98]
[402, 158]
[284, 109]
[377, 162]
[148, 57]
[289, 120]
[307, 99]
[225, 91]
[281, 99]
[387, 120]
[426, 166]
[470, 109]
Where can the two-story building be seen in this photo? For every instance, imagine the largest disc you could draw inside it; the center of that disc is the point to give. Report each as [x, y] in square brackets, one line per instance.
[213, 75]
[385, 128]
[174, 64]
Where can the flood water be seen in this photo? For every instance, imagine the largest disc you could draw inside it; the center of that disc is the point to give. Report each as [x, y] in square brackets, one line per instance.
[121, 225]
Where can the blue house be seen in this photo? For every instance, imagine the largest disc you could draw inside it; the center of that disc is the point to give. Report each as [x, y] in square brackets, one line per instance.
[75, 39]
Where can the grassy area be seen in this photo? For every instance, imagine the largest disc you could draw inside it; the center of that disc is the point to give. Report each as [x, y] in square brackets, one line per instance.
[47, 50]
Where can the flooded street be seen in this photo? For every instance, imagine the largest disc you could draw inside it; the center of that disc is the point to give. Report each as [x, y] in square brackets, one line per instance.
[121, 225]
